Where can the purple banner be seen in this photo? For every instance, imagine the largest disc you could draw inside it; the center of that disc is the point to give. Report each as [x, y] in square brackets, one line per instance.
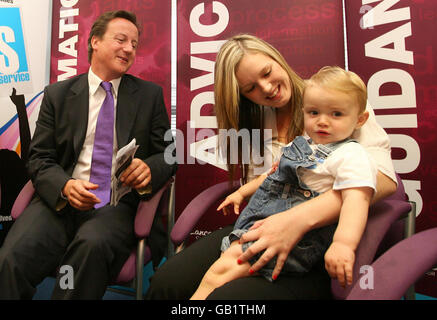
[389, 47]
[71, 26]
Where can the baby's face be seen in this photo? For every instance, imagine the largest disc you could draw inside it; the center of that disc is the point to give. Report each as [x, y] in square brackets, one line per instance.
[330, 115]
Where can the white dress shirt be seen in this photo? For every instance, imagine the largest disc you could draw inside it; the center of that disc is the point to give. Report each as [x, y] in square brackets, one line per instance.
[97, 95]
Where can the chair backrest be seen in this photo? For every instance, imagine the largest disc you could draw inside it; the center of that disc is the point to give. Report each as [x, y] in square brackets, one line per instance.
[405, 261]
[158, 203]
[381, 217]
[22, 200]
[197, 208]
[147, 211]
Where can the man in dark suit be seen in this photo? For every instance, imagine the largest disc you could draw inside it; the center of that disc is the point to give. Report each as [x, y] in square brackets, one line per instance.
[64, 224]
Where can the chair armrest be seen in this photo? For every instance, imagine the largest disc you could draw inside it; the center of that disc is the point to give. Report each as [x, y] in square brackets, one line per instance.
[22, 199]
[197, 207]
[146, 212]
[400, 267]
[381, 216]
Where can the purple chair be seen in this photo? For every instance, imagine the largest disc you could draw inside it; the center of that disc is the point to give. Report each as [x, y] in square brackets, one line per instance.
[398, 268]
[382, 216]
[197, 208]
[161, 203]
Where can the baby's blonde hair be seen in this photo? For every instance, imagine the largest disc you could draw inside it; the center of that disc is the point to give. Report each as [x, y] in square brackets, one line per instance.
[336, 78]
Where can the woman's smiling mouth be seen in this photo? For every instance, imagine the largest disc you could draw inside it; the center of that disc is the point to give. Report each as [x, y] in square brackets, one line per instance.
[275, 95]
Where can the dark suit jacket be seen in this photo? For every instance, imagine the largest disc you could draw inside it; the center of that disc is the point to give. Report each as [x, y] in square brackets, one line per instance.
[62, 124]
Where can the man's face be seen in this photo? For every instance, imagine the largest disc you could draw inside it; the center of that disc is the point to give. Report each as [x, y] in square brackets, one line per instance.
[115, 52]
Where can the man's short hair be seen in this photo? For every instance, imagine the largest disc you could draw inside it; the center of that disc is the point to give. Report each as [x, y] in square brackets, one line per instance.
[100, 25]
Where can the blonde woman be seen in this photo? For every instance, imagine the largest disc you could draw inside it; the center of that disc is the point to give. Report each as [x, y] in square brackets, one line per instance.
[325, 158]
[256, 89]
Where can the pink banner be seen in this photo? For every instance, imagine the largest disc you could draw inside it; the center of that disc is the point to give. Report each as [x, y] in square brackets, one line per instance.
[392, 46]
[71, 26]
[309, 33]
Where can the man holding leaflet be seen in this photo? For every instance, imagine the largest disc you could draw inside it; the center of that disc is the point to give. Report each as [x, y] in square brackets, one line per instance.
[82, 124]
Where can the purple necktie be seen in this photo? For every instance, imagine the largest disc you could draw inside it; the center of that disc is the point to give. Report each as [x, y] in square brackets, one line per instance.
[102, 152]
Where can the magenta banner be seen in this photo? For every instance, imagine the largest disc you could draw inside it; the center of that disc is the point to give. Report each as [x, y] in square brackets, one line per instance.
[72, 21]
[309, 33]
[391, 44]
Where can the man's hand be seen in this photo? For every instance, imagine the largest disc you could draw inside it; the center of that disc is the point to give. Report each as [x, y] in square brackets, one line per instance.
[137, 175]
[77, 194]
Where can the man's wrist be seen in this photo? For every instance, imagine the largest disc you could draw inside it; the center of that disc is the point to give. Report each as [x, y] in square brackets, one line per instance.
[63, 196]
[146, 190]
[63, 190]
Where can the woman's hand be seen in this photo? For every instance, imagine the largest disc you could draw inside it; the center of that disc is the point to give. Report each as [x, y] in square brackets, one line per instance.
[277, 235]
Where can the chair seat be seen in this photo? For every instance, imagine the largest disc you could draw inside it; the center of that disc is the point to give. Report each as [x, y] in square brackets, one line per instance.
[128, 271]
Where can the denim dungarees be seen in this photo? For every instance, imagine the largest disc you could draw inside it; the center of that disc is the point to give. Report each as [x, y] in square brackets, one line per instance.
[280, 191]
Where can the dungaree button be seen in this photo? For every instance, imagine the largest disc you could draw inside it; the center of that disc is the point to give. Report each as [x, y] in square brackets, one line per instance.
[307, 193]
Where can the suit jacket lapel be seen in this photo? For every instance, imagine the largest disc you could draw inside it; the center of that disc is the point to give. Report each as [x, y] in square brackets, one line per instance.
[126, 110]
[77, 105]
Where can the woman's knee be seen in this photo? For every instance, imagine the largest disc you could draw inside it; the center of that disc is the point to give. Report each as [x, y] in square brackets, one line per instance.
[234, 251]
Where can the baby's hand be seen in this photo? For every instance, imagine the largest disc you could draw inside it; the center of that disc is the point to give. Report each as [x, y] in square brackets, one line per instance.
[273, 168]
[339, 262]
[236, 199]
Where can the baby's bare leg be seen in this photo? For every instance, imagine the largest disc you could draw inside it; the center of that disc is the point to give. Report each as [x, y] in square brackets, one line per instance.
[225, 269]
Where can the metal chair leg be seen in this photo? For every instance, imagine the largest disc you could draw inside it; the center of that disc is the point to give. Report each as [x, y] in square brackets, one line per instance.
[171, 218]
[410, 229]
[139, 266]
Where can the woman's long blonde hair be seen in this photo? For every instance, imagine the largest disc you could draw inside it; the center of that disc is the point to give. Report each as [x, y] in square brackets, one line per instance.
[229, 101]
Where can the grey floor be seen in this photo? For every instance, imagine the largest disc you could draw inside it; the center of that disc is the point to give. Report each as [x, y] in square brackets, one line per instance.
[45, 288]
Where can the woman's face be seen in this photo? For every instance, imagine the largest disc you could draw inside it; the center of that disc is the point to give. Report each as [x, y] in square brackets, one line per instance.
[263, 81]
